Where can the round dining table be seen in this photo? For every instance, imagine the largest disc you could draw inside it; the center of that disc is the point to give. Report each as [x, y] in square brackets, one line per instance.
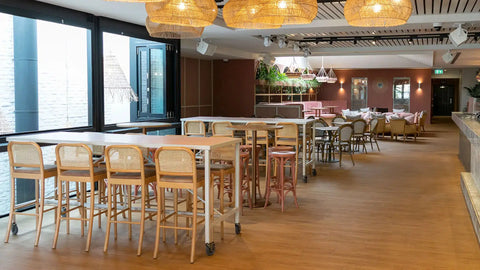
[254, 128]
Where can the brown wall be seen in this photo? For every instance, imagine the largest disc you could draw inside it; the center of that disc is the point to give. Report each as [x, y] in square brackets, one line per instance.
[382, 97]
[196, 87]
[233, 87]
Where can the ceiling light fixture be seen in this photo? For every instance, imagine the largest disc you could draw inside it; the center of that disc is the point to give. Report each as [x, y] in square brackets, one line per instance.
[240, 14]
[306, 52]
[332, 77]
[267, 41]
[410, 41]
[282, 42]
[377, 13]
[322, 75]
[171, 31]
[296, 47]
[458, 36]
[282, 12]
[195, 13]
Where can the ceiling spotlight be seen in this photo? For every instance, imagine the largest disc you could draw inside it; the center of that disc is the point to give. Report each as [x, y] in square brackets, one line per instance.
[449, 57]
[282, 42]
[373, 42]
[458, 36]
[267, 41]
[354, 42]
[331, 42]
[475, 38]
[410, 40]
[296, 47]
[306, 52]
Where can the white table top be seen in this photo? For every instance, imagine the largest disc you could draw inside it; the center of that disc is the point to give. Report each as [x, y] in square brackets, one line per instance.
[97, 138]
[327, 128]
[248, 119]
[144, 124]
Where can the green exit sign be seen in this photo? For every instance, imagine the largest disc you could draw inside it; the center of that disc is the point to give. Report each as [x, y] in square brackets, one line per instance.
[438, 71]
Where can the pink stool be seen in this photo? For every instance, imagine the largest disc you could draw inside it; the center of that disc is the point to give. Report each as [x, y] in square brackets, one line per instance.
[280, 182]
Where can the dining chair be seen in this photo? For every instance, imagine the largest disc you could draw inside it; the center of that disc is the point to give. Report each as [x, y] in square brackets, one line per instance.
[176, 169]
[358, 136]
[371, 135]
[220, 129]
[75, 165]
[126, 166]
[26, 162]
[194, 128]
[338, 119]
[343, 141]
[400, 127]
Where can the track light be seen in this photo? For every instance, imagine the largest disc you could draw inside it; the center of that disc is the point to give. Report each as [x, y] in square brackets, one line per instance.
[296, 47]
[458, 36]
[306, 52]
[267, 41]
[282, 42]
[410, 40]
[354, 42]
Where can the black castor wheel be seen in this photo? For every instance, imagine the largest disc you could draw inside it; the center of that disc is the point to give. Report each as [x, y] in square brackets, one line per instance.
[314, 172]
[14, 228]
[305, 179]
[238, 228]
[210, 248]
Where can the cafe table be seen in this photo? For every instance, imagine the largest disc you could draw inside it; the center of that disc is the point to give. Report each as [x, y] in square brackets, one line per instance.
[331, 132]
[318, 110]
[303, 123]
[194, 143]
[254, 128]
[331, 108]
[144, 125]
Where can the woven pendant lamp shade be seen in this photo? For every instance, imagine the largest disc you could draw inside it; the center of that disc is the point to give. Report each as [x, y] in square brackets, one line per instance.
[138, 1]
[171, 31]
[282, 12]
[239, 14]
[195, 13]
[381, 13]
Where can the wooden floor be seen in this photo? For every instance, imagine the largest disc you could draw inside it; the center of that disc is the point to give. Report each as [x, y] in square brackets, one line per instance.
[401, 208]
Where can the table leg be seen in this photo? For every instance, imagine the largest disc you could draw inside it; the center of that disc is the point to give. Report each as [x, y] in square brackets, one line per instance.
[304, 153]
[238, 191]
[209, 244]
[257, 203]
[144, 130]
[183, 131]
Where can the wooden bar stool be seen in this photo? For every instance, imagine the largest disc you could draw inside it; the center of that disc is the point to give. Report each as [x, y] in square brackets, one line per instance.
[125, 166]
[245, 179]
[26, 162]
[248, 148]
[75, 164]
[280, 183]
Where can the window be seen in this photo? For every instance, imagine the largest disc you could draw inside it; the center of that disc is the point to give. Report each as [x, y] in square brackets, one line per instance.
[134, 78]
[401, 93]
[47, 86]
[359, 93]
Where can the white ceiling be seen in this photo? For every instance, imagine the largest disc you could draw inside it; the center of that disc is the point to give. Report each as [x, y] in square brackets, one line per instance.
[237, 43]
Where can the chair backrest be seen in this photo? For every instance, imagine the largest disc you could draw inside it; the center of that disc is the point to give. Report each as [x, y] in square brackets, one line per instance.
[373, 125]
[194, 128]
[175, 161]
[225, 153]
[380, 125]
[97, 150]
[221, 129]
[124, 159]
[320, 123]
[338, 119]
[143, 149]
[344, 133]
[25, 154]
[74, 156]
[288, 135]
[422, 118]
[397, 126]
[359, 126]
[321, 120]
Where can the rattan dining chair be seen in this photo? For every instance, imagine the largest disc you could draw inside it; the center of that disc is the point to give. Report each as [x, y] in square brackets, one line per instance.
[176, 169]
[194, 128]
[358, 136]
[343, 141]
[371, 135]
[221, 129]
[125, 166]
[75, 164]
[26, 162]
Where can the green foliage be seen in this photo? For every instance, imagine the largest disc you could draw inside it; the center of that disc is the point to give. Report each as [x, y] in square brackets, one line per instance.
[262, 71]
[474, 91]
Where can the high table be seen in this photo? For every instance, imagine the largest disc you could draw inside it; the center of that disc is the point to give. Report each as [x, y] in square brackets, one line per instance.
[143, 125]
[305, 123]
[254, 128]
[196, 143]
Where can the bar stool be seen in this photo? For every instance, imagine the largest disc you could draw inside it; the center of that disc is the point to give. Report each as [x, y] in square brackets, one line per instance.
[26, 162]
[262, 139]
[125, 166]
[75, 164]
[194, 128]
[245, 179]
[280, 183]
[248, 148]
[219, 128]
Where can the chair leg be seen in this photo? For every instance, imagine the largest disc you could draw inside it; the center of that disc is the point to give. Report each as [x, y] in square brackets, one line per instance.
[111, 194]
[159, 218]
[91, 216]
[59, 213]
[142, 219]
[11, 217]
[194, 224]
[42, 208]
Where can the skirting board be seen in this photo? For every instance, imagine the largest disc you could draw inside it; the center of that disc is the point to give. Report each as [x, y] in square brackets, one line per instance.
[472, 199]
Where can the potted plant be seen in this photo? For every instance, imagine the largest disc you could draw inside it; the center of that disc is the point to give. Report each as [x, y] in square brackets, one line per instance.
[474, 92]
[262, 73]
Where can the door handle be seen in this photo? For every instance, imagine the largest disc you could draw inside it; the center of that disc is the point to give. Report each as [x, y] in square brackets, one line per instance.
[450, 100]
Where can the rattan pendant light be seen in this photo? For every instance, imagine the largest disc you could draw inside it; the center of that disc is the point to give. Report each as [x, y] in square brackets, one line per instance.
[240, 13]
[171, 31]
[138, 1]
[282, 12]
[381, 13]
[194, 13]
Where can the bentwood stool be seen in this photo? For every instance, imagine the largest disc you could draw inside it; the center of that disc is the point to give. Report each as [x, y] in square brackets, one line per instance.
[26, 162]
[176, 169]
[248, 148]
[125, 166]
[75, 164]
[245, 180]
[281, 183]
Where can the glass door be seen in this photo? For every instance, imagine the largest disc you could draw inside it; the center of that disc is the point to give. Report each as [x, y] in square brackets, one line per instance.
[151, 81]
[359, 93]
